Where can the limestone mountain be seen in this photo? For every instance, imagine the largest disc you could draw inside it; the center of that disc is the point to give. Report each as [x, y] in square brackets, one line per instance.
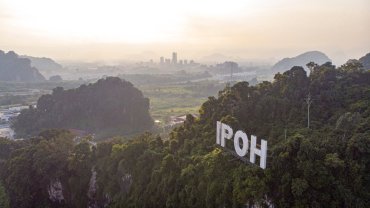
[110, 105]
[365, 61]
[300, 60]
[16, 69]
[43, 64]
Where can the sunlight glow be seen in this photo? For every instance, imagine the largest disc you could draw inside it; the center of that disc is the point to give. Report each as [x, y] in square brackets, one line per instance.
[136, 21]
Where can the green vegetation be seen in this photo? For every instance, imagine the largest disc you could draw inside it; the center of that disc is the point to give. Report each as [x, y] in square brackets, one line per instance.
[8, 100]
[4, 200]
[161, 79]
[106, 105]
[22, 93]
[327, 165]
[178, 99]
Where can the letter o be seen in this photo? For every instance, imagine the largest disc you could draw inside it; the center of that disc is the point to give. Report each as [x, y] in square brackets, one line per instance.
[241, 151]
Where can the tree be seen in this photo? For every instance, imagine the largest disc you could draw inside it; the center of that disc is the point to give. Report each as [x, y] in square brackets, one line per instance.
[4, 200]
[311, 66]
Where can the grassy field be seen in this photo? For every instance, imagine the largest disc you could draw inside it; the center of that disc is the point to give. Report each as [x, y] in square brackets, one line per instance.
[178, 99]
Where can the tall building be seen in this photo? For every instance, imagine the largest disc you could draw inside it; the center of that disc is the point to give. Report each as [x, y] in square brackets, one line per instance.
[174, 58]
[161, 60]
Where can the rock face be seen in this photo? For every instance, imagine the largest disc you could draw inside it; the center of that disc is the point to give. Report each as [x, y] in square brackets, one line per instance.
[126, 182]
[300, 60]
[16, 69]
[93, 203]
[55, 191]
[365, 61]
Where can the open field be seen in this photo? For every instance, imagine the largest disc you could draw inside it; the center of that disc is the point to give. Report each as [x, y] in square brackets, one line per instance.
[178, 99]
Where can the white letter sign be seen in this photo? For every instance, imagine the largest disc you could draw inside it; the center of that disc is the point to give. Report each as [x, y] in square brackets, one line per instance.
[243, 151]
[241, 143]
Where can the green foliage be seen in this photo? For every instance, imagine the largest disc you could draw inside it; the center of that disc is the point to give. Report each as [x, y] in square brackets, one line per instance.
[43, 160]
[106, 105]
[176, 99]
[325, 166]
[4, 200]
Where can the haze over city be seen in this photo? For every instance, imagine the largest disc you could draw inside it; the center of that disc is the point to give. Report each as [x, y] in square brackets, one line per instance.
[143, 29]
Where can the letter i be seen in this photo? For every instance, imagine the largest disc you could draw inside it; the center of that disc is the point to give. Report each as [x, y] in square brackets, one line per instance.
[218, 132]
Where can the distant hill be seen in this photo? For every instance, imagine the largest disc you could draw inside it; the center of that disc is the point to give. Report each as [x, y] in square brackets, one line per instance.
[109, 106]
[43, 63]
[300, 60]
[365, 61]
[15, 68]
[46, 66]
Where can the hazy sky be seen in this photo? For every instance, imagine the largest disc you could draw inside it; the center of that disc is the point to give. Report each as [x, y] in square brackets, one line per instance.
[119, 29]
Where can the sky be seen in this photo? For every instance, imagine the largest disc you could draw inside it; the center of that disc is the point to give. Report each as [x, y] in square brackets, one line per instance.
[93, 30]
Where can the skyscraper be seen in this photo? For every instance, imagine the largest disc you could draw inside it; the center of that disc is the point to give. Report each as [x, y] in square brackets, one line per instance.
[161, 60]
[174, 58]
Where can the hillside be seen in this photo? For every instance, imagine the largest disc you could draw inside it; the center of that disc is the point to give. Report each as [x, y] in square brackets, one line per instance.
[44, 65]
[110, 104]
[300, 60]
[365, 61]
[16, 69]
[326, 165]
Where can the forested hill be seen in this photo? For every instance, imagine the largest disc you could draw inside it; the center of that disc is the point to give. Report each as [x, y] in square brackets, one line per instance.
[327, 165]
[109, 105]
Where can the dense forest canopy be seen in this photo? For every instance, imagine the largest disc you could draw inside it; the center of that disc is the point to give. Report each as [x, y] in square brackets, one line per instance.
[104, 106]
[326, 165]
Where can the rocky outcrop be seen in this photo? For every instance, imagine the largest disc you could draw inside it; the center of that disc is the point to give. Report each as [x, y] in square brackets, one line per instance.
[16, 69]
[365, 61]
[55, 191]
[300, 60]
[126, 182]
[93, 203]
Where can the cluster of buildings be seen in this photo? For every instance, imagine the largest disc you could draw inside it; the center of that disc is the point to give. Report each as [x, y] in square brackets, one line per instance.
[174, 61]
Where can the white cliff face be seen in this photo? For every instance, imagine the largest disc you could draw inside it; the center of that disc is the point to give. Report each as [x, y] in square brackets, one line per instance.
[55, 191]
[126, 182]
[92, 184]
[92, 190]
